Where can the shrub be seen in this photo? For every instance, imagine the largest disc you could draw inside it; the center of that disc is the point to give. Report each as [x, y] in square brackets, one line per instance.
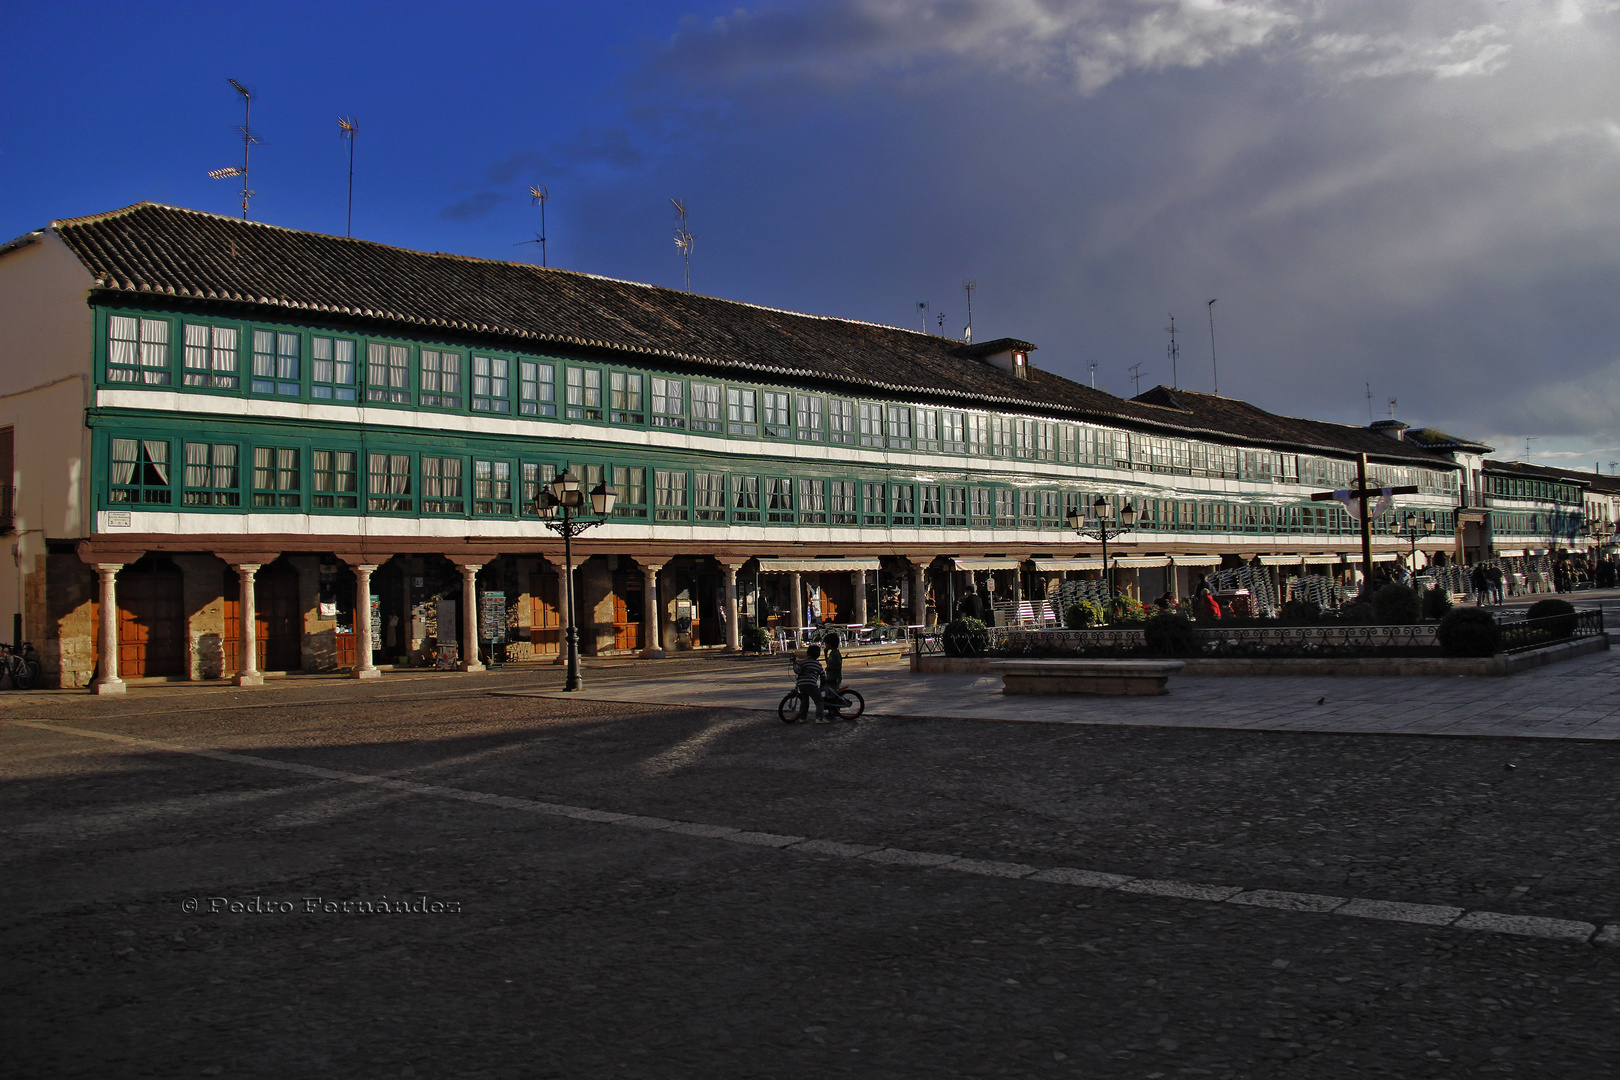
[1169, 635]
[1559, 613]
[1301, 611]
[1469, 632]
[755, 638]
[965, 637]
[1396, 604]
[1079, 615]
[1124, 608]
[1436, 602]
[1358, 611]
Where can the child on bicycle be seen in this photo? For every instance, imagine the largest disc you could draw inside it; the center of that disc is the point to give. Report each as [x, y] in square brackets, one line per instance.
[808, 683]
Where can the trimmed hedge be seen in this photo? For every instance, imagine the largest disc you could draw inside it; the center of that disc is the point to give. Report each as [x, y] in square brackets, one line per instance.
[1397, 605]
[1561, 614]
[965, 637]
[1079, 615]
[1168, 634]
[1469, 632]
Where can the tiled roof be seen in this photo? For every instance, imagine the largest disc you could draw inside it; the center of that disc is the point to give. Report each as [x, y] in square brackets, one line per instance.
[184, 256]
[1593, 481]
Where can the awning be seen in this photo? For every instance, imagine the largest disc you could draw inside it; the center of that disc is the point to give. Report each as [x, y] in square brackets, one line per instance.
[1384, 556]
[1280, 560]
[1196, 560]
[1517, 554]
[1141, 562]
[1059, 565]
[815, 566]
[986, 564]
[1322, 557]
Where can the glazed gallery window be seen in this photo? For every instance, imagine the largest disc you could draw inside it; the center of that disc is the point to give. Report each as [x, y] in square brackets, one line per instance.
[779, 500]
[331, 370]
[275, 477]
[333, 486]
[441, 486]
[928, 429]
[956, 506]
[670, 495]
[813, 502]
[708, 496]
[776, 417]
[492, 488]
[903, 504]
[705, 407]
[211, 357]
[441, 380]
[810, 413]
[388, 373]
[871, 424]
[389, 481]
[931, 501]
[583, 387]
[897, 420]
[140, 471]
[491, 384]
[844, 508]
[630, 487]
[668, 402]
[212, 476]
[742, 416]
[275, 363]
[841, 421]
[875, 511]
[537, 389]
[138, 350]
[625, 400]
[745, 498]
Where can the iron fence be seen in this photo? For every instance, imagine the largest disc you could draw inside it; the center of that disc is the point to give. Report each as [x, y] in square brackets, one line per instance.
[1521, 634]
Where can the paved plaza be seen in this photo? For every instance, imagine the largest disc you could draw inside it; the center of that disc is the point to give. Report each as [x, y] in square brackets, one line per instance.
[446, 874]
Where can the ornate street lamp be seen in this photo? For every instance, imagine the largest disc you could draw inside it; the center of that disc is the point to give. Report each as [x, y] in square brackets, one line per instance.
[557, 504]
[1411, 532]
[1101, 522]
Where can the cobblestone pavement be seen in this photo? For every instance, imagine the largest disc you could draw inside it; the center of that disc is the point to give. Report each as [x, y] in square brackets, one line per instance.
[1574, 699]
[698, 937]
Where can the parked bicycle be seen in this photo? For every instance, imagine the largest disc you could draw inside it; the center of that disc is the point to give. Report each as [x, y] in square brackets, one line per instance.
[19, 665]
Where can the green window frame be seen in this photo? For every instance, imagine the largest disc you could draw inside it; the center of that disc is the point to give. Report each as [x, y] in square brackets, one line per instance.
[953, 432]
[582, 389]
[874, 504]
[897, 423]
[956, 505]
[492, 387]
[1006, 507]
[333, 480]
[708, 496]
[978, 434]
[706, 407]
[744, 498]
[277, 363]
[440, 385]
[630, 489]
[669, 495]
[388, 373]
[276, 478]
[871, 421]
[388, 484]
[443, 491]
[537, 388]
[626, 402]
[213, 475]
[775, 415]
[668, 402]
[841, 426]
[928, 430]
[812, 501]
[810, 417]
[984, 506]
[1052, 508]
[211, 356]
[1002, 436]
[902, 504]
[779, 499]
[845, 503]
[742, 411]
[332, 368]
[138, 350]
[492, 487]
[534, 481]
[140, 472]
[931, 500]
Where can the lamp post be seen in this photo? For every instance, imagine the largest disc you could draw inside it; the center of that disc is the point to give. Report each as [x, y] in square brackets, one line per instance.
[1411, 532]
[563, 496]
[1101, 520]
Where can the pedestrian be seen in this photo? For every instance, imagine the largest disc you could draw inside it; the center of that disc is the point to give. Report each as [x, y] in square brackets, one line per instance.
[834, 672]
[1165, 601]
[809, 674]
[1480, 584]
[1494, 576]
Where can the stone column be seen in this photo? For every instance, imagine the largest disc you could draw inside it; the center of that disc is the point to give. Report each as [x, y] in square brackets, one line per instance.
[796, 609]
[919, 594]
[469, 614]
[654, 646]
[733, 617]
[248, 673]
[565, 604]
[107, 680]
[860, 595]
[364, 645]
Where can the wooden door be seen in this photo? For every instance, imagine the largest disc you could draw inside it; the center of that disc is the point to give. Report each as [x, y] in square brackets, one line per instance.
[627, 610]
[279, 622]
[545, 614]
[151, 620]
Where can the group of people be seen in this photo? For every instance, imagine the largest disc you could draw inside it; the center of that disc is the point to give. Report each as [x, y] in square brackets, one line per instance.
[813, 679]
[1487, 582]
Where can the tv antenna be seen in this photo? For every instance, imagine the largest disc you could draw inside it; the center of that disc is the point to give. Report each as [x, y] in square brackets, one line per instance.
[1093, 367]
[248, 139]
[1369, 402]
[348, 128]
[1214, 370]
[968, 285]
[940, 319]
[1393, 402]
[1528, 439]
[1174, 353]
[922, 306]
[538, 197]
[1614, 468]
[1136, 376]
[683, 240]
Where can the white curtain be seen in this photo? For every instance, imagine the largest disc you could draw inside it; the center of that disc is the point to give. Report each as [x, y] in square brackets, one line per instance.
[157, 456]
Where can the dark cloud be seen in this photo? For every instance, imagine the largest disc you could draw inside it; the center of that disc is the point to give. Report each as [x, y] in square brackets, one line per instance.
[508, 178]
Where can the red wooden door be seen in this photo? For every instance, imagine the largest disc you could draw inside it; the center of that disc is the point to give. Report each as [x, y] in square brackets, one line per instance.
[151, 620]
[627, 609]
[279, 622]
[545, 616]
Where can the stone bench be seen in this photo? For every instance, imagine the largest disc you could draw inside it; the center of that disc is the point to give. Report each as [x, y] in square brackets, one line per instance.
[1112, 677]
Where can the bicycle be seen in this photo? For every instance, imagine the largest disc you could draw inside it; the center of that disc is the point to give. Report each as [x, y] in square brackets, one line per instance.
[19, 665]
[843, 703]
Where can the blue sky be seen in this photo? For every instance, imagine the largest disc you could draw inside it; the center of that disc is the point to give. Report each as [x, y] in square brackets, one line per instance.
[1422, 196]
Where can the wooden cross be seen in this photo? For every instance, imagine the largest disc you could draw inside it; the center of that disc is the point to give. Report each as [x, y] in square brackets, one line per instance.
[1362, 492]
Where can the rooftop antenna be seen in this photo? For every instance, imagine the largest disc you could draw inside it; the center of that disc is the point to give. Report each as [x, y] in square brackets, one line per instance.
[1393, 402]
[683, 240]
[1369, 403]
[968, 285]
[1614, 468]
[940, 319]
[1093, 367]
[1175, 354]
[538, 197]
[1136, 376]
[1528, 439]
[1216, 371]
[348, 128]
[248, 139]
[922, 306]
